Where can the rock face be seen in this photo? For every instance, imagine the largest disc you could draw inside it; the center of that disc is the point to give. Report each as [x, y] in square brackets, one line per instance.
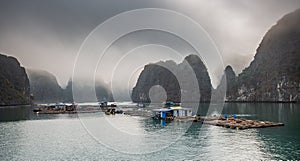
[67, 92]
[102, 92]
[274, 74]
[44, 87]
[230, 79]
[155, 74]
[202, 76]
[163, 74]
[14, 83]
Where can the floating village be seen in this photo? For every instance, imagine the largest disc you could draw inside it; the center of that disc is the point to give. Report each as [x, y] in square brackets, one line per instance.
[170, 112]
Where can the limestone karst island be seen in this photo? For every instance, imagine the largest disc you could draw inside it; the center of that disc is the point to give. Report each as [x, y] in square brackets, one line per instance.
[149, 80]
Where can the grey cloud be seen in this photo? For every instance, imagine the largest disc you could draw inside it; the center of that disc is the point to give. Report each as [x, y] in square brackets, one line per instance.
[47, 34]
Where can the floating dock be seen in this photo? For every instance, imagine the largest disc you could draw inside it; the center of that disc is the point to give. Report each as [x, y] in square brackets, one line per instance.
[185, 114]
[236, 123]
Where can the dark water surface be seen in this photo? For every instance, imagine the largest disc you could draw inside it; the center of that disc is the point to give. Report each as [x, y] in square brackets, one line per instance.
[15, 113]
[65, 136]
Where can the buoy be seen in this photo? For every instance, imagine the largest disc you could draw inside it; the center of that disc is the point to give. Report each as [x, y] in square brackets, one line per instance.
[225, 116]
[234, 116]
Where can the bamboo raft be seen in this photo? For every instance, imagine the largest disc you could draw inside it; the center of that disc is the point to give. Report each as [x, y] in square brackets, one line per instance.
[65, 112]
[233, 123]
[238, 123]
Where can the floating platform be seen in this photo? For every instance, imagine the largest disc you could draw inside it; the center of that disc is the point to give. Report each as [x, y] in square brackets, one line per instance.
[54, 112]
[238, 123]
[58, 108]
[66, 112]
[231, 122]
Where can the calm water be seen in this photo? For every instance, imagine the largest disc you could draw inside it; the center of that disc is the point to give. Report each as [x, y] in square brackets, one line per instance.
[95, 137]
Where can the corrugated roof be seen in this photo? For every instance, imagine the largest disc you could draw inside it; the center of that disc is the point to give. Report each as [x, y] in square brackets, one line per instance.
[171, 108]
[162, 109]
[176, 108]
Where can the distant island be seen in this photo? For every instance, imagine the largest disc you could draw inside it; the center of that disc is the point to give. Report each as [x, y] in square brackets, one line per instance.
[45, 88]
[159, 74]
[20, 86]
[273, 75]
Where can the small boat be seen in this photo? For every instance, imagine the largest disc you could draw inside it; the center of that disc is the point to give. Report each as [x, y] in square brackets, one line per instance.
[171, 104]
[107, 112]
[38, 109]
[112, 111]
[105, 104]
[142, 105]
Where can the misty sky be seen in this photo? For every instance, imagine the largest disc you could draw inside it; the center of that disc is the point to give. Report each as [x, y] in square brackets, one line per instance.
[47, 34]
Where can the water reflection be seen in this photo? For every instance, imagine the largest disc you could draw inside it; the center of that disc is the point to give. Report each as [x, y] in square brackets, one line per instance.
[14, 113]
[62, 137]
[279, 142]
[228, 144]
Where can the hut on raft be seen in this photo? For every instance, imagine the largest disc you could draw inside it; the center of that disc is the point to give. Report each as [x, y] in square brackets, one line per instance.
[171, 112]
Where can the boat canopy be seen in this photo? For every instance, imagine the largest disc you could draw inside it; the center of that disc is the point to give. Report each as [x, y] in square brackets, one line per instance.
[176, 108]
[172, 109]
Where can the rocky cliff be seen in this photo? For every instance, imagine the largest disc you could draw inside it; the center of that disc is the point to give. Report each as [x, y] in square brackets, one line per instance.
[67, 92]
[202, 76]
[229, 77]
[164, 74]
[274, 74]
[44, 87]
[14, 83]
[155, 74]
[102, 91]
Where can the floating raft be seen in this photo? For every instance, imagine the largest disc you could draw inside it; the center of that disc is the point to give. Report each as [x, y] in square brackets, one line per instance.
[65, 112]
[54, 112]
[238, 123]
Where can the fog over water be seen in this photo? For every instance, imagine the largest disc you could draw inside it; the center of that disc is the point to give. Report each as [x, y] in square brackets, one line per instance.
[48, 34]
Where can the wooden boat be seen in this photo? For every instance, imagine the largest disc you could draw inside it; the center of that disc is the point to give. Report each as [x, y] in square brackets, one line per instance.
[37, 109]
[112, 111]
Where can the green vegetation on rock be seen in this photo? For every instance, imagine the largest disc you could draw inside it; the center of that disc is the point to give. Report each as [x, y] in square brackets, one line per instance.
[14, 83]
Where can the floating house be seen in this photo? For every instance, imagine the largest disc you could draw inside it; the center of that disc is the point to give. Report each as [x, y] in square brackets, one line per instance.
[171, 113]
